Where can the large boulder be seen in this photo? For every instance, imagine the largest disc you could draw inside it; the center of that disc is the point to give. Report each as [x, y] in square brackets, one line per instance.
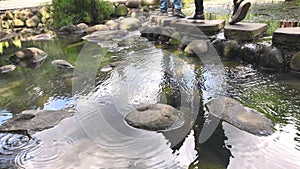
[271, 58]
[295, 62]
[29, 57]
[130, 24]
[112, 25]
[244, 118]
[155, 117]
[32, 121]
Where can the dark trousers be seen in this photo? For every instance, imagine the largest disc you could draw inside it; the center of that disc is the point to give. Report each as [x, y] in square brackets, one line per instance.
[199, 5]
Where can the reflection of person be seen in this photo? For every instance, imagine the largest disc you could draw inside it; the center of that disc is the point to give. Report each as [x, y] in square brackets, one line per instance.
[176, 8]
[239, 12]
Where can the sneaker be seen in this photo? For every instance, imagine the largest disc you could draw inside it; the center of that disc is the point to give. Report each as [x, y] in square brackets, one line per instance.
[197, 16]
[163, 13]
[240, 12]
[178, 13]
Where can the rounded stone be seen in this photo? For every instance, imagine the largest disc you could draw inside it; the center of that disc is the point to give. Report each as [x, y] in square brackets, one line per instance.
[112, 25]
[62, 63]
[150, 2]
[130, 24]
[133, 3]
[231, 49]
[295, 62]
[121, 10]
[249, 52]
[271, 57]
[99, 27]
[33, 22]
[29, 57]
[155, 117]
[7, 68]
[198, 47]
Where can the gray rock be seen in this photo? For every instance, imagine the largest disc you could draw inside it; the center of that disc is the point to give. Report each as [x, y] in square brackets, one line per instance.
[249, 52]
[244, 118]
[155, 117]
[33, 121]
[198, 47]
[82, 26]
[113, 25]
[295, 62]
[130, 24]
[231, 49]
[43, 37]
[70, 29]
[62, 63]
[271, 57]
[175, 38]
[29, 57]
[287, 37]
[95, 28]
[7, 68]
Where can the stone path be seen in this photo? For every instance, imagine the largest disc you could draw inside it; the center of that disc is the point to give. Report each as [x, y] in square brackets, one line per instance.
[17, 4]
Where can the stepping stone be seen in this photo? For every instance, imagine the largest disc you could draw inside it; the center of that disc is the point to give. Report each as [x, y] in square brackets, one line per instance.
[245, 31]
[287, 37]
[183, 25]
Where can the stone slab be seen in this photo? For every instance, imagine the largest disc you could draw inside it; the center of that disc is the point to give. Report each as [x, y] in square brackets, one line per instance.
[245, 31]
[287, 37]
[208, 27]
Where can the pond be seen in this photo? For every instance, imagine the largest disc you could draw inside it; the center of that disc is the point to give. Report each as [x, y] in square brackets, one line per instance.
[146, 72]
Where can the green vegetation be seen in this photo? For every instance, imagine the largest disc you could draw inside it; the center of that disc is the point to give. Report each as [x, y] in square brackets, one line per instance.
[66, 12]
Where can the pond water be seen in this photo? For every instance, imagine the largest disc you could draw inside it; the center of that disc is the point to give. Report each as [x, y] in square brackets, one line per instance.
[98, 137]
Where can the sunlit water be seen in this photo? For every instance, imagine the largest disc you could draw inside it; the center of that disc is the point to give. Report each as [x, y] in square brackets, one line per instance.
[98, 137]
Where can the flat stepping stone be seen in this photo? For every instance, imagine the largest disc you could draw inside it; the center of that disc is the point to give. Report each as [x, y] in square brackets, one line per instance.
[244, 118]
[208, 27]
[287, 37]
[245, 31]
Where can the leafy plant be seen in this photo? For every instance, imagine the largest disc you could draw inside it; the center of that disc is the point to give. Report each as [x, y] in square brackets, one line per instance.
[66, 12]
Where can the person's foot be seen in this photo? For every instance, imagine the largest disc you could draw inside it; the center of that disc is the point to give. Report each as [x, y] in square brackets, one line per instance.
[178, 13]
[163, 13]
[240, 12]
[197, 16]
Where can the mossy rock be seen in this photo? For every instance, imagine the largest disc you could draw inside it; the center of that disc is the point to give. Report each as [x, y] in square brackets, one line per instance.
[121, 10]
[295, 62]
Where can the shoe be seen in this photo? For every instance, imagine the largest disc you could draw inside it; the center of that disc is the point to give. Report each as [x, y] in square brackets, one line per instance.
[163, 13]
[197, 16]
[240, 12]
[178, 13]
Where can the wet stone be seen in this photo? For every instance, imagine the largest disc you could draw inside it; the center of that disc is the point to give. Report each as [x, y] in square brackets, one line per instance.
[155, 117]
[32, 121]
[244, 118]
[245, 31]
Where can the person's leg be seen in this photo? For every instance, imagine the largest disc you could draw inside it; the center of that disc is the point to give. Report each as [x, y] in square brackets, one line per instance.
[199, 6]
[163, 7]
[240, 10]
[177, 5]
[199, 14]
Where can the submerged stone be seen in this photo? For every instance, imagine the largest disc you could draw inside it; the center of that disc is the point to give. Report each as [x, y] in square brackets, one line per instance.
[244, 118]
[62, 63]
[249, 52]
[29, 57]
[295, 62]
[7, 68]
[198, 47]
[155, 117]
[231, 49]
[32, 121]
